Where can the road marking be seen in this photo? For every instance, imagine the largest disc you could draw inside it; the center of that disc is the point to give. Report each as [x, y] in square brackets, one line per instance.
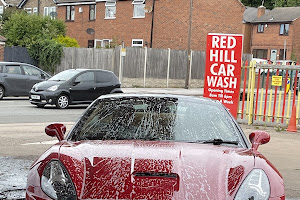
[43, 142]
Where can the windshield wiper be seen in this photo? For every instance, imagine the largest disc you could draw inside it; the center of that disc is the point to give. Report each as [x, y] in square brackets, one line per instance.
[219, 141]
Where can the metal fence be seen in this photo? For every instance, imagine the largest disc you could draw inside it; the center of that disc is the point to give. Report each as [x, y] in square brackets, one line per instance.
[270, 93]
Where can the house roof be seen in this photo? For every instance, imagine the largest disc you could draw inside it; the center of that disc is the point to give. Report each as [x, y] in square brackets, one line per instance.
[11, 2]
[250, 14]
[280, 14]
[74, 1]
[21, 3]
[2, 39]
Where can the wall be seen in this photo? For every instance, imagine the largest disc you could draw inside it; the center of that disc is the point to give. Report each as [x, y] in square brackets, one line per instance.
[296, 39]
[171, 19]
[172, 22]
[2, 51]
[247, 32]
[43, 3]
[270, 39]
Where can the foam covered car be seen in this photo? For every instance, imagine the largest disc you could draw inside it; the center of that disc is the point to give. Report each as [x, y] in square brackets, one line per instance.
[154, 146]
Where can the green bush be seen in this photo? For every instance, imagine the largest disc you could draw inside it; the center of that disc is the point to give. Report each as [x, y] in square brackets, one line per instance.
[47, 53]
[67, 41]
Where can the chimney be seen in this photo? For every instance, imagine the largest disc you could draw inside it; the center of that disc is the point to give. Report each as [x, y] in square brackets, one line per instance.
[261, 11]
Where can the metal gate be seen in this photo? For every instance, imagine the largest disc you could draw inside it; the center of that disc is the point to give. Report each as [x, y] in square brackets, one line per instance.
[269, 92]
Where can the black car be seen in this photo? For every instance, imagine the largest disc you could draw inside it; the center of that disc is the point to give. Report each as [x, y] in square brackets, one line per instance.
[16, 79]
[74, 86]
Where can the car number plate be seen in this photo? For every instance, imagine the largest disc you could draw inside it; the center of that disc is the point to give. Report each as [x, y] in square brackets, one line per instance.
[35, 97]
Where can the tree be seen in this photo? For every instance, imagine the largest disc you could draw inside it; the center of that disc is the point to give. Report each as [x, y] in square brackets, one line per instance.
[270, 4]
[23, 30]
[37, 33]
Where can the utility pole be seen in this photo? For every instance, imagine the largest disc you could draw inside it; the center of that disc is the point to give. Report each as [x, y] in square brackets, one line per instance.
[188, 71]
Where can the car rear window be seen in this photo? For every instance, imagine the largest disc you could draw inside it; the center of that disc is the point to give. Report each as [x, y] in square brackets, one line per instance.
[103, 77]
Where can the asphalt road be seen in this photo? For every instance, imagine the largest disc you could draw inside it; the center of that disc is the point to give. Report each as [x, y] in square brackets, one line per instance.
[22, 140]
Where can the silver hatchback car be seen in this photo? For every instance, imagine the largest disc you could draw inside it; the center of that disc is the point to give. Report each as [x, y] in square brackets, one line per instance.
[17, 79]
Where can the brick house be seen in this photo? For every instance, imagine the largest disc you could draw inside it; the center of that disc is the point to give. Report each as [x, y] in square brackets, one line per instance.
[2, 45]
[7, 3]
[249, 15]
[43, 7]
[98, 22]
[275, 35]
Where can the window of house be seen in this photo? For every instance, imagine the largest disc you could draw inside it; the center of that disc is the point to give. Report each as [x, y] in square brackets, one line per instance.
[282, 54]
[92, 12]
[1, 10]
[28, 10]
[70, 15]
[90, 43]
[284, 29]
[35, 10]
[138, 8]
[110, 10]
[260, 53]
[104, 43]
[137, 43]
[260, 28]
[50, 11]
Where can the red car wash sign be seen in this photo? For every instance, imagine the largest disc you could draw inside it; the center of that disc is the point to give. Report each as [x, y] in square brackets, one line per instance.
[223, 69]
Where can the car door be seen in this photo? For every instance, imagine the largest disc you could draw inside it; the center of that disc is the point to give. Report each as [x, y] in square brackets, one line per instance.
[104, 84]
[15, 80]
[82, 87]
[33, 76]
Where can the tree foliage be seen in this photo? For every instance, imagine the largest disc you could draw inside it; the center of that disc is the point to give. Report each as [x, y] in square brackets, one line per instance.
[37, 33]
[67, 41]
[47, 53]
[22, 29]
[270, 4]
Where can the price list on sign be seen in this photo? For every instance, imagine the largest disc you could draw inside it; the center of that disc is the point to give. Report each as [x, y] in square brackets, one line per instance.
[223, 69]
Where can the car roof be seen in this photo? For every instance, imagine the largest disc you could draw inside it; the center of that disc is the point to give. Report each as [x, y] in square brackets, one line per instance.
[16, 63]
[83, 69]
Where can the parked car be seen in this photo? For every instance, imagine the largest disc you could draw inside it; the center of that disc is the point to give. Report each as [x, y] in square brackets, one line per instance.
[74, 86]
[260, 61]
[16, 79]
[151, 146]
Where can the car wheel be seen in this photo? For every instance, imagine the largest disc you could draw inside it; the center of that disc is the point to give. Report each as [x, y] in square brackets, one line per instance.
[1, 92]
[62, 101]
[40, 106]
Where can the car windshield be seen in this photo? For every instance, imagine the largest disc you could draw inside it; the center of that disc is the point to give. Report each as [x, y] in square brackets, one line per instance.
[64, 75]
[156, 118]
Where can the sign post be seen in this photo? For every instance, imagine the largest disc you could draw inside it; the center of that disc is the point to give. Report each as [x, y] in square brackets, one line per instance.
[223, 69]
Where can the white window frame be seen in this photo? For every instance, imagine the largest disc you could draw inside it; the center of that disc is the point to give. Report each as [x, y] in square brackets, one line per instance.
[138, 4]
[35, 10]
[102, 42]
[94, 12]
[137, 45]
[71, 14]
[48, 10]
[1, 10]
[110, 4]
[28, 10]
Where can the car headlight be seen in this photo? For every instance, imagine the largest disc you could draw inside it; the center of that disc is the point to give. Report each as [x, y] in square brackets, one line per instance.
[56, 181]
[53, 88]
[255, 186]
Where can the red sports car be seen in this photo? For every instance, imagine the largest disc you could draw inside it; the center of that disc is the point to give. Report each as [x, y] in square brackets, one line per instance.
[151, 146]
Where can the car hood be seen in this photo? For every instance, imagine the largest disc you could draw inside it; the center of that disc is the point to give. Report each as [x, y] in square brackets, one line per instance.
[46, 84]
[155, 170]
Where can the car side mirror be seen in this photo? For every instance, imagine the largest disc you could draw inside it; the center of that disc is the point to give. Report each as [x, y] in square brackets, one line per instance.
[57, 130]
[43, 76]
[259, 137]
[76, 83]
